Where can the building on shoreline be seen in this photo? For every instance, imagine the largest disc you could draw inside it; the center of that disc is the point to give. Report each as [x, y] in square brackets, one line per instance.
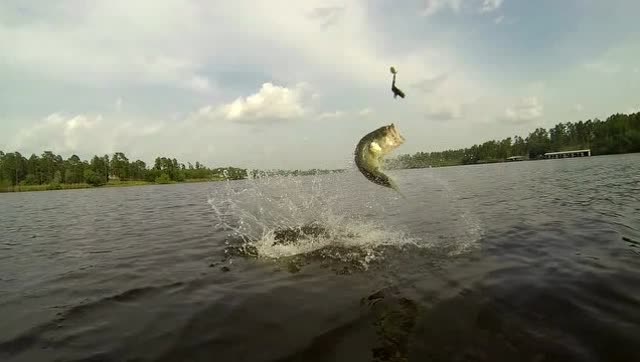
[568, 154]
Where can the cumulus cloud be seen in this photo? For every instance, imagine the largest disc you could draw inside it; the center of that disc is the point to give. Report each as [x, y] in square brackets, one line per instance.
[214, 143]
[112, 43]
[272, 103]
[446, 95]
[197, 83]
[490, 5]
[634, 109]
[444, 110]
[527, 109]
[330, 115]
[211, 132]
[327, 16]
[190, 135]
[365, 112]
[484, 6]
[431, 84]
[433, 6]
[338, 114]
[144, 48]
[258, 52]
[83, 134]
[58, 132]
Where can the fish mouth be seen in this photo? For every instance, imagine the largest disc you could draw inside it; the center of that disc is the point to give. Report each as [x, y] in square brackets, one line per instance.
[393, 138]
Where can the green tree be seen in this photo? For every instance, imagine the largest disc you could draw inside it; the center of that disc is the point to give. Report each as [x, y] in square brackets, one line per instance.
[93, 178]
[120, 166]
[163, 179]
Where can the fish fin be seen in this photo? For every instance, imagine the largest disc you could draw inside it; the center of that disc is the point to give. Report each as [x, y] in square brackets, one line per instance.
[400, 192]
[397, 189]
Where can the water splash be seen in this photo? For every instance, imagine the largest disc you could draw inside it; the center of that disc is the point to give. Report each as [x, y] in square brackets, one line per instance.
[253, 212]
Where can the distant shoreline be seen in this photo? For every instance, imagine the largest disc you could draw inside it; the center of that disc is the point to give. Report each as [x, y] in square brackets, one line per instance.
[488, 162]
[115, 183]
[79, 186]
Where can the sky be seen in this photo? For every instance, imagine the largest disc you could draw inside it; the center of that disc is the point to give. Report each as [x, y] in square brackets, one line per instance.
[295, 84]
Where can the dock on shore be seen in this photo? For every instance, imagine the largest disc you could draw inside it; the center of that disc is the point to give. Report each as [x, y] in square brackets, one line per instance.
[568, 154]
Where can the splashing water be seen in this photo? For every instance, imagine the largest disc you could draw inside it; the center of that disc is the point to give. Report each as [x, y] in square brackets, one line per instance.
[319, 210]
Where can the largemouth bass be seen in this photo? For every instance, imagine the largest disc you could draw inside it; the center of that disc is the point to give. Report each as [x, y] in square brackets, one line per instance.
[370, 153]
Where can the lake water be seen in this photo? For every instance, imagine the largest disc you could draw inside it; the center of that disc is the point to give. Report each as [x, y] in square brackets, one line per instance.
[525, 261]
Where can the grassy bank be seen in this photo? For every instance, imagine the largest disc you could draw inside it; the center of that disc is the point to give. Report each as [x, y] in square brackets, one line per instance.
[112, 183]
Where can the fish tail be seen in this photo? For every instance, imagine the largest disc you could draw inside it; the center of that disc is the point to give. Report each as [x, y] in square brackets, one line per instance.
[401, 194]
[397, 189]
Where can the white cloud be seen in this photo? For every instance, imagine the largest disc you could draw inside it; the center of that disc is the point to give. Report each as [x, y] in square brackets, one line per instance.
[484, 6]
[115, 42]
[330, 115]
[197, 83]
[431, 84]
[527, 109]
[215, 143]
[365, 112]
[631, 110]
[344, 50]
[87, 135]
[272, 103]
[433, 6]
[444, 110]
[490, 5]
[578, 107]
[145, 49]
[448, 95]
[58, 132]
[328, 15]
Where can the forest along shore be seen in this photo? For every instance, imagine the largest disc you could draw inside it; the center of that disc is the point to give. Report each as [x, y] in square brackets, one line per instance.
[51, 172]
[618, 134]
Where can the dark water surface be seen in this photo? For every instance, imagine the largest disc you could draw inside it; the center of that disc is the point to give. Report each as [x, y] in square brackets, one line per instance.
[526, 261]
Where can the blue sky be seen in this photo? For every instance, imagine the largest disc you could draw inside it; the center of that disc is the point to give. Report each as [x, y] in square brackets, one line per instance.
[295, 84]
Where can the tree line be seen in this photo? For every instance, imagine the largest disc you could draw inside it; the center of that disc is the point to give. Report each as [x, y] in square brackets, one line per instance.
[619, 133]
[271, 173]
[52, 169]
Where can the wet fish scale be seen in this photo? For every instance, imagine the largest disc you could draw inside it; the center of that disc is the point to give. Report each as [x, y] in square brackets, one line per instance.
[370, 152]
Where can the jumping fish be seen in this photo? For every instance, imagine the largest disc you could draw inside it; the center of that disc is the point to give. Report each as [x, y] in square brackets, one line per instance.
[371, 150]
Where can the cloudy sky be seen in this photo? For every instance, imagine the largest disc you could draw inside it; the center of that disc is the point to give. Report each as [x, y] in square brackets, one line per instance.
[295, 84]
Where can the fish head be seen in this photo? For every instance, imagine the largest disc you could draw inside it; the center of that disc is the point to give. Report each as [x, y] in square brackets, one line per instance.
[391, 138]
[386, 139]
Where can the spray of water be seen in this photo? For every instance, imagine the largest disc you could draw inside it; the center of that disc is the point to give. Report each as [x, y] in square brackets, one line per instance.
[340, 217]
[318, 213]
